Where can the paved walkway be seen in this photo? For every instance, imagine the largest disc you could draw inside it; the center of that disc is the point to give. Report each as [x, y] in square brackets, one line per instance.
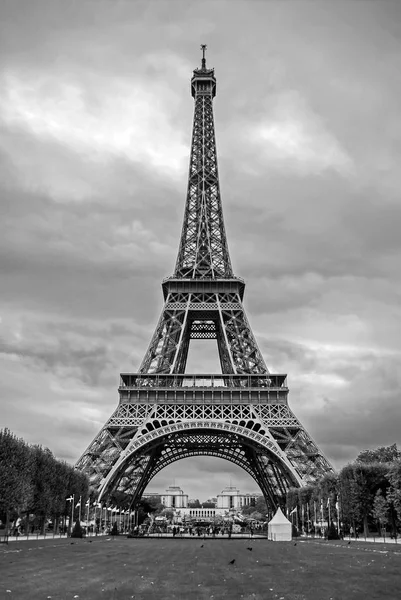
[37, 536]
[373, 540]
[34, 536]
[379, 540]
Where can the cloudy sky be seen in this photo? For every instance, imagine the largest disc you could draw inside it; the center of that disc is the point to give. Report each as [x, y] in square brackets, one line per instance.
[95, 118]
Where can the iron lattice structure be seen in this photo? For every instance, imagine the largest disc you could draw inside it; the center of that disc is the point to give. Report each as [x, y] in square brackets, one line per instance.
[164, 414]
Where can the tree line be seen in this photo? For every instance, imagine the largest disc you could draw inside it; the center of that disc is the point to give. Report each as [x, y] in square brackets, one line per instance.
[34, 485]
[363, 496]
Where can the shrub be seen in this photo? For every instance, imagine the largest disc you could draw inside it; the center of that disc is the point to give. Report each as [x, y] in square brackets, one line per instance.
[77, 531]
[332, 533]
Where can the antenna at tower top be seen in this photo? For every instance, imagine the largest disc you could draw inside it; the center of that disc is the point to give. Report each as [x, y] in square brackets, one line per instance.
[203, 48]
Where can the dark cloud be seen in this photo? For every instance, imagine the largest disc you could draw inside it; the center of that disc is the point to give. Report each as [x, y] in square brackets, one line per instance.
[95, 119]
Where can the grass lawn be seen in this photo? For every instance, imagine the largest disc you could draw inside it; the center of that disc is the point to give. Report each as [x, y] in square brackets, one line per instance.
[180, 568]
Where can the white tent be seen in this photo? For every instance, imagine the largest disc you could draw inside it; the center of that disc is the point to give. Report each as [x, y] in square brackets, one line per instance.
[279, 528]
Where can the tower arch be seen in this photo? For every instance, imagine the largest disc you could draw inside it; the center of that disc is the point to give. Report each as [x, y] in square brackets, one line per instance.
[154, 450]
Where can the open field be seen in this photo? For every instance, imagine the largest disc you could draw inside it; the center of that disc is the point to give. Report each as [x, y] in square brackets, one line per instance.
[121, 569]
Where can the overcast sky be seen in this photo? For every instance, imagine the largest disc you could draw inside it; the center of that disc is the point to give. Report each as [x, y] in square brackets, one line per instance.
[96, 117]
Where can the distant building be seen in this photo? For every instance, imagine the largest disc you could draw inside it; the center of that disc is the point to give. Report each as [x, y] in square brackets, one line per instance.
[199, 514]
[230, 501]
[173, 498]
[231, 498]
[249, 499]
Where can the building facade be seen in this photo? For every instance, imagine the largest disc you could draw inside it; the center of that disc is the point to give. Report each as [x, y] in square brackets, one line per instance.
[174, 497]
[199, 514]
[231, 498]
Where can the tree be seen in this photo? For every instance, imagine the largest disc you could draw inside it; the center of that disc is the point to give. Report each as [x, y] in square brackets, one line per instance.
[394, 493]
[78, 486]
[305, 495]
[359, 483]
[194, 504]
[15, 475]
[168, 513]
[328, 489]
[44, 484]
[151, 504]
[355, 488]
[292, 499]
[154, 504]
[383, 454]
[61, 477]
[256, 515]
[32, 480]
[380, 510]
[349, 500]
[148, 505]
[208, 505]
[121, 499]
[261, 506]
[305, 498]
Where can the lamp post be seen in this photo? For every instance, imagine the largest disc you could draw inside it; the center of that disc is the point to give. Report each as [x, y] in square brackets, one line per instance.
[87, 515]
[79, 506]
[94, 518]
[71, 499]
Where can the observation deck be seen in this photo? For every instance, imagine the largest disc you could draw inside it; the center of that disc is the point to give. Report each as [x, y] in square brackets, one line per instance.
[203, 285]
[209, 388]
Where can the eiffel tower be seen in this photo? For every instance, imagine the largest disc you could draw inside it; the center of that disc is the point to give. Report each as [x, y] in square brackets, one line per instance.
[164, 414]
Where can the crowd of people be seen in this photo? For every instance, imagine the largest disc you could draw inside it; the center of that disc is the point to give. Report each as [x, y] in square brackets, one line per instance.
[204, 530]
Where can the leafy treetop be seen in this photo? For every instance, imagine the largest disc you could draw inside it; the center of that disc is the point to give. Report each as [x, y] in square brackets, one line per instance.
[383, 454]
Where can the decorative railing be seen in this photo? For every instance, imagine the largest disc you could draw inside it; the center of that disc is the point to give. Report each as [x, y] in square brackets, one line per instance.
[204, 280]
[163, 381]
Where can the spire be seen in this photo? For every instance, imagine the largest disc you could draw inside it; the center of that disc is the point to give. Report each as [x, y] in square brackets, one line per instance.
[203, 48]
[203, 251]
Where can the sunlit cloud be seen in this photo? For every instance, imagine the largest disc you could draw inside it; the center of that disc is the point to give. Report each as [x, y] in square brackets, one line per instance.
[98, 117]
[293, 135]
[325, 379]
[291, 140]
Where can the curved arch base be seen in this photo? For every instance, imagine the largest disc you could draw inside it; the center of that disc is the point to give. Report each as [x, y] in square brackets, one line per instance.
[134, 473]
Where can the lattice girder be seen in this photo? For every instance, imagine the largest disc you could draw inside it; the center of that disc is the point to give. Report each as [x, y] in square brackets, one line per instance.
[134, 424]
[203, 250]
[168, 418]
[206, 315]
